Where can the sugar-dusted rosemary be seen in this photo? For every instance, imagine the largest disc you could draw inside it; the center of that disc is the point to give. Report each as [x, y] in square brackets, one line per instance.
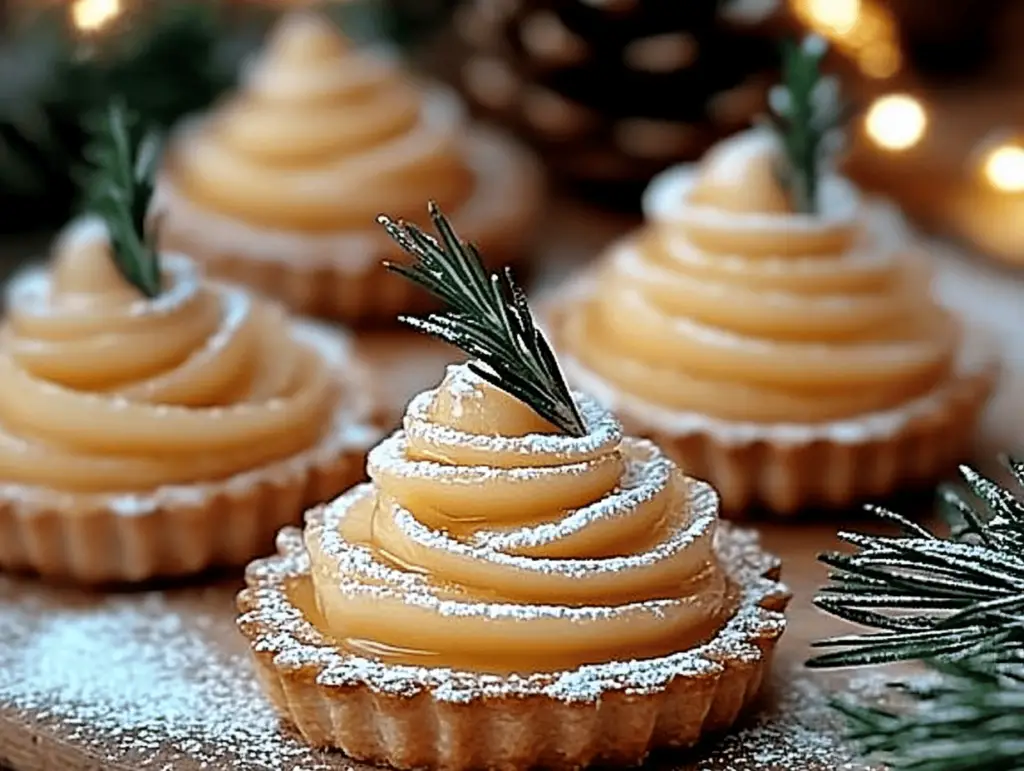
[805, 112]
[119, 189]
[487, 316]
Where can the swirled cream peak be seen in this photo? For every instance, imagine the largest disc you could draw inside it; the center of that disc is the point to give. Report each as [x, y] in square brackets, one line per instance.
[103, 390]
[726, 304]
[322, 137]
[742, 176]
[487, 541]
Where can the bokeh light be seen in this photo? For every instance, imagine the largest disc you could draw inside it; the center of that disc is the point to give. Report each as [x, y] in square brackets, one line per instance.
[1003, 168]
[896, 122]
[92, 15]
[863, 30]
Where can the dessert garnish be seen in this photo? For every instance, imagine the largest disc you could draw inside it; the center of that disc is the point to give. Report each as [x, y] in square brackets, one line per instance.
[119, 192]
[805, 112]
[487, 317]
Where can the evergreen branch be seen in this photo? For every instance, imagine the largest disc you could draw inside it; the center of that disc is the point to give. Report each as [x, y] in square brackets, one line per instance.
[486, 316]
[972, 717]
[119, 191]
[940, 598]
[805, 113]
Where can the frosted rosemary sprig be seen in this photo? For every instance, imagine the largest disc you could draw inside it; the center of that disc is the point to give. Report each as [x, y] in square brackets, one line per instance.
[119, 189]
[486, 316]
[933, 597]
[971, 716]
[805, 112]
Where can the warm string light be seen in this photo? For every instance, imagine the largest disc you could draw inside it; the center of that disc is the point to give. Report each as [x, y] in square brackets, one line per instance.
[896, 122]
[94, 15]
[1003, 167]
[861, 29]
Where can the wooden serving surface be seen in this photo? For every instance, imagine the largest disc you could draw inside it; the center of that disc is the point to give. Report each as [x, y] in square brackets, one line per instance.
[159, 679]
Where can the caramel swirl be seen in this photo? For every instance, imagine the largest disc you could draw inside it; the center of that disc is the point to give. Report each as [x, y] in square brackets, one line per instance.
[488, 541]
[102, 390]
[322, 139]
[730, 305]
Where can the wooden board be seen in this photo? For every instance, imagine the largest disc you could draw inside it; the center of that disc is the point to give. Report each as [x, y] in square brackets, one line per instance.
[159, 679]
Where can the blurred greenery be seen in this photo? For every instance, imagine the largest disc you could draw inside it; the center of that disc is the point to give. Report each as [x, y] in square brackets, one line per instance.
[164, 59]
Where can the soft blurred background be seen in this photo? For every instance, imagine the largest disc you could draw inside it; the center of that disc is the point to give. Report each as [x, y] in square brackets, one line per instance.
[607, 98]
[608, 92]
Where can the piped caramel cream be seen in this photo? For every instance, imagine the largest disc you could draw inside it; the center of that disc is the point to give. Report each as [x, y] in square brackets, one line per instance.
[103, 390]
[322, 138]
[487, 541]
[730, 305]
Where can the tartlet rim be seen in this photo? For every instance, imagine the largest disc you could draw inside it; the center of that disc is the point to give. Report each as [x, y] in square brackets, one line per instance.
[281, 636]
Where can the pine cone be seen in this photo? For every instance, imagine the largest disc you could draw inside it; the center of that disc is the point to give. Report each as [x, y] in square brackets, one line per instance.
[612, 91]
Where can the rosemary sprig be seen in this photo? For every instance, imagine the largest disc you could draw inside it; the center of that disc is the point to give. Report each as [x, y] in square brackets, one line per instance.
[119, 190]
[486, 316]
[971, 717]
[805, 113]
[934, 598]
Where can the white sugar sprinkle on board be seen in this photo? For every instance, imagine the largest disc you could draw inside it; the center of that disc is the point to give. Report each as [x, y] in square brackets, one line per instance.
[160, 680]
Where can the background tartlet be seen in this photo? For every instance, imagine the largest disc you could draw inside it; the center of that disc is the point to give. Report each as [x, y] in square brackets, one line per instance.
[795, 360]
[279, 186]
[148, 437]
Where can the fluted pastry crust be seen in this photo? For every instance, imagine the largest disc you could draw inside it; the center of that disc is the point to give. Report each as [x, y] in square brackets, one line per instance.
[413, 717]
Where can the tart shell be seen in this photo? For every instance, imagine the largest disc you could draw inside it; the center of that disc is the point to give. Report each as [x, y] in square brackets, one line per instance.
[183, 530]
[410, 717]
[340, 276]
[786, 469]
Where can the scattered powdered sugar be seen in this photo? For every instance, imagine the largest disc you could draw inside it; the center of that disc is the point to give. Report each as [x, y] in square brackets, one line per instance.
[686, 528]
[798, 731]
[462, 384]
[140, 680]
[648, 472]
[161, 680]
[391, 457]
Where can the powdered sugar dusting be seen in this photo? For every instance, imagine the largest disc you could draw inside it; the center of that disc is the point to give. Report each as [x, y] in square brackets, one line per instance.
[146, 681]
[640, 483]
[798, 731]
[604, 432]
[161, 680]
[684, 533]
[274, 624]
[391, 457]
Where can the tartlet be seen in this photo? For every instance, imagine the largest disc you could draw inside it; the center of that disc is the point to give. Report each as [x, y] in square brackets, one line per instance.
[144, 438]
[279, 187]
[502, 595]
[794, 360]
